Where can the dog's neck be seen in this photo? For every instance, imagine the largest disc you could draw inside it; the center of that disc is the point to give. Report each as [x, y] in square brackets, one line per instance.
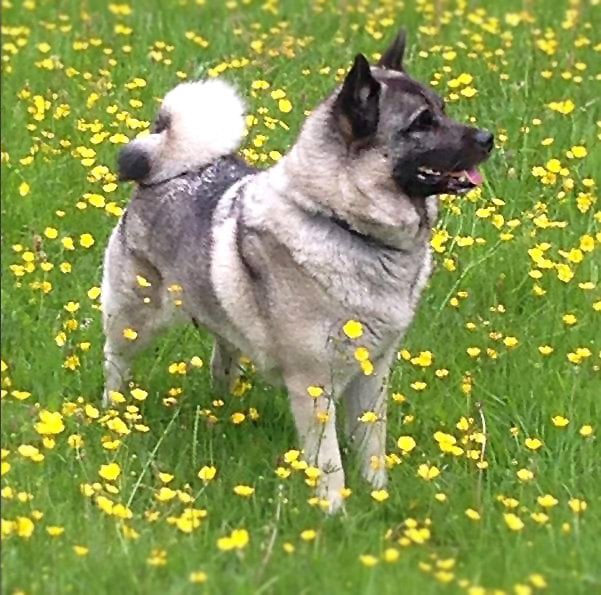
[320, 176]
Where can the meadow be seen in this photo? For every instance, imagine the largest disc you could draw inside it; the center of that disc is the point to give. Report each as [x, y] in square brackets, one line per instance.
[493, 451]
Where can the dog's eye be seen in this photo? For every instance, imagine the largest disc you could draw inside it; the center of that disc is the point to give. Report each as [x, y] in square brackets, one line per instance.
[425, 119]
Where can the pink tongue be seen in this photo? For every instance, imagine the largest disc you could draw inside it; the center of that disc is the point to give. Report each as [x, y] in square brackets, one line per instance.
[474, 176]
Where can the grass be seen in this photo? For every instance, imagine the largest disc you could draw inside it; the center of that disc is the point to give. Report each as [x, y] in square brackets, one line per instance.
[513, 261]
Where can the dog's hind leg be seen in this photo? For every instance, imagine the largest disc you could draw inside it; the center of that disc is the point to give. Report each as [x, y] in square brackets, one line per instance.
[225, 368]
[133, 310]
[369, 393]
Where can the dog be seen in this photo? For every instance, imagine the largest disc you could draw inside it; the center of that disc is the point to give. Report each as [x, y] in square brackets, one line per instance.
[313, 267]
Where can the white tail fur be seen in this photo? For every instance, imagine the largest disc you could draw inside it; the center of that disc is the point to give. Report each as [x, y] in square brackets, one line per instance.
[199, 122]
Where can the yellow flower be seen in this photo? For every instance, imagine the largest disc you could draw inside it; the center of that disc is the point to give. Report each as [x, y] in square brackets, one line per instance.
[513, 521]
[560, 421]
[538, 580]
[539, 517]
[157, 558]
[472, 514]
[142, 281]
[24, 527]
[110, 472]
[244, 490]
[139, 394]
[368, 560]
[563, 107]
[116, 397]
[312, 473]
[86, 240]
[577, 505]
[165, 494]
[94, 293]
[428, 472]
[564, 272]
[533, 443]
[391, 555]
[423, 360]
[207, 473]
[367, 367]
[50, 423]
[586, 430]
[315, 391]
[238, 539]
[369, 417]
[80, 550]
[237, 417]
[579, 151]
[308, 535]
[525, 474]
[380, 495]
[282, 472]
[291, 456]
[406, 443]
[547, 501]
[419, 385]
[75, 441]
[553, 165]
[54, 531]
[353, 329]
[130, 334]
[285, 106]
[198, 577]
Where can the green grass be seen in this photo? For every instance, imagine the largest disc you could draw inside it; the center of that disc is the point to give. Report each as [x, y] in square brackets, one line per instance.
[515, 390]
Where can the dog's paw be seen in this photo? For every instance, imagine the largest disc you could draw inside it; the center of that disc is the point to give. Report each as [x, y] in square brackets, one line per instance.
[330, 492]
[378, 478]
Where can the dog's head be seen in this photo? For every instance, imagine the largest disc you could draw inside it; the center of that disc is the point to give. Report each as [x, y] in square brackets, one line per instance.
[382, 108]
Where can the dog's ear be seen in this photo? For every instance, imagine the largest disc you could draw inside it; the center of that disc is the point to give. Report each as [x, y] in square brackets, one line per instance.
[357, 105]
[392, 58]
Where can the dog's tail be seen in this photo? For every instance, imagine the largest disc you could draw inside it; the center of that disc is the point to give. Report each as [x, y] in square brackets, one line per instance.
[197, 123]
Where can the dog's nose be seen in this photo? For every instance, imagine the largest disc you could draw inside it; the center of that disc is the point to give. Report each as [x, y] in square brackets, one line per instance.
[485, 139]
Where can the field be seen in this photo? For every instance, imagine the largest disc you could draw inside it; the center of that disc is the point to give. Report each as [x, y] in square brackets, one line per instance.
[495, 464]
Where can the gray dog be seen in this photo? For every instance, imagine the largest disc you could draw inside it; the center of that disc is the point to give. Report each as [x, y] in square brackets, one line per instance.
[313, 268]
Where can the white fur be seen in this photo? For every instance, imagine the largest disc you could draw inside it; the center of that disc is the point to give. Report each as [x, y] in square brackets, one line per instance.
[206, 121]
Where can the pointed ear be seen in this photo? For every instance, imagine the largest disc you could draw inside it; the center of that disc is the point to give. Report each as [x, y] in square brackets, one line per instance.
[357, 104]
[392, 58]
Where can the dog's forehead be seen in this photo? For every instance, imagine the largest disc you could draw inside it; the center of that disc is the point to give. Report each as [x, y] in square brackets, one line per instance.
[402, 87]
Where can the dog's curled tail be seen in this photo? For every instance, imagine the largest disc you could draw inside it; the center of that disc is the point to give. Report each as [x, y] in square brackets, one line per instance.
[197, 123]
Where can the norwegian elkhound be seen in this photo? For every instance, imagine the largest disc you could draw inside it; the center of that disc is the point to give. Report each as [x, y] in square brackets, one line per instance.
[275, 263]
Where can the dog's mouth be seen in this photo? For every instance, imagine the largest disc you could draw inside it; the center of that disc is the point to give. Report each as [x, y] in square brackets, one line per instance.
[432, 181]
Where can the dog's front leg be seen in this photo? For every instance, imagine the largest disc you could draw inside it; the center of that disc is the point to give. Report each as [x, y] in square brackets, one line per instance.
[315, 420]
[363, 394]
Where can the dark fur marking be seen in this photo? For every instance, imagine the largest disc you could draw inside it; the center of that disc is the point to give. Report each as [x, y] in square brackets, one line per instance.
[392, 58]
[133, 164]
[162, 122]
[374, 242]
[357, 103]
